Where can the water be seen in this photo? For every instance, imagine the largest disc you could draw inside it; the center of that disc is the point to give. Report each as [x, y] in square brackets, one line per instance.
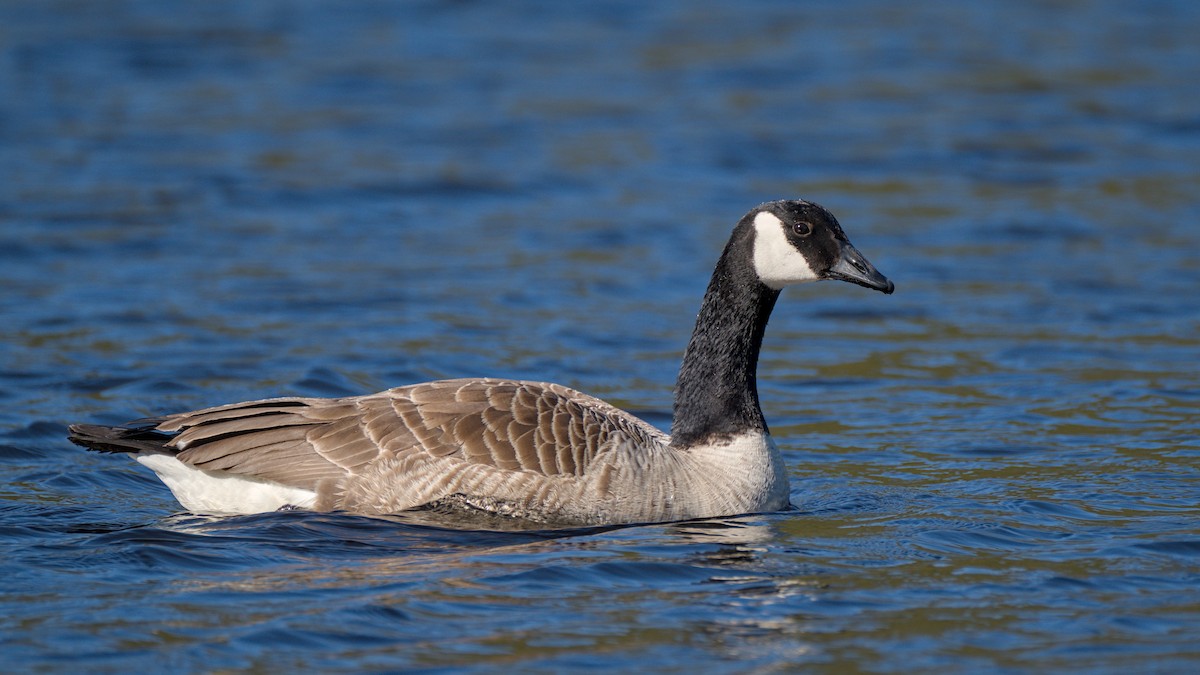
[996, 468]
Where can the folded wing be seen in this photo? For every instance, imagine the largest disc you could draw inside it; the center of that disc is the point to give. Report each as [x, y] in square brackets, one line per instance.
[516, 426]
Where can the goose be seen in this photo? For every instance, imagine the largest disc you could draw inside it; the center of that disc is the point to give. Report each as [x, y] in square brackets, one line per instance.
[530, 450]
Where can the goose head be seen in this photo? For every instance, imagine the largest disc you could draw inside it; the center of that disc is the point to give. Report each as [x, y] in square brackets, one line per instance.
[797, 241]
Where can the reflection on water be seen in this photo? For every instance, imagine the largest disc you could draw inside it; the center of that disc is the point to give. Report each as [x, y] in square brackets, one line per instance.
[995, 468]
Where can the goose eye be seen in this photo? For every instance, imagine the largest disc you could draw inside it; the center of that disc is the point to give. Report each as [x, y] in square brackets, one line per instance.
[802, 228]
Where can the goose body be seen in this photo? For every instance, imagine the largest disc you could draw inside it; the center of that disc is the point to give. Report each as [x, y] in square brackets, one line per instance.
[532, 450]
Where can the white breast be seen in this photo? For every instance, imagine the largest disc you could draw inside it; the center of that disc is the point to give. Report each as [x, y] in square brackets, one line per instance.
[744, 474]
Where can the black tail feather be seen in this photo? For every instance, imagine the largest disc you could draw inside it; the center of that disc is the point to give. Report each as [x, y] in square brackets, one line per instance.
[136, 437]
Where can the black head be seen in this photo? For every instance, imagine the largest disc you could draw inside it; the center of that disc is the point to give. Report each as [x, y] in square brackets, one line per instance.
[797, 241]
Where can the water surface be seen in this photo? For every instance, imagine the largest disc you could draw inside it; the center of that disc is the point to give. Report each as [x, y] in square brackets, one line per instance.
[998, 467]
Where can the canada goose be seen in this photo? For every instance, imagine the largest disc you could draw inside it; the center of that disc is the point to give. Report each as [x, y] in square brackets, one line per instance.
[533, 450]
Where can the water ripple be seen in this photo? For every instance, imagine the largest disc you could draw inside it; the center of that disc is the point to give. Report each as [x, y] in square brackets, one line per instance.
[993, 469]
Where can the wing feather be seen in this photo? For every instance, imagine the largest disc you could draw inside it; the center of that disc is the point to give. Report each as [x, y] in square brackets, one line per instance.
[509, 426]
[207, 449]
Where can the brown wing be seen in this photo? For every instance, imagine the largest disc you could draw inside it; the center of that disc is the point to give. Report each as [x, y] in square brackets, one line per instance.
[510, 425]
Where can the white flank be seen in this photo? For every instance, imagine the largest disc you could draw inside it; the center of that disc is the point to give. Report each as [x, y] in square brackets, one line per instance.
[777, 262]
[212, 492]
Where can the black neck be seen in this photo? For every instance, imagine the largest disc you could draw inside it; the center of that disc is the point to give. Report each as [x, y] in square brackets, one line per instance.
[716, 395]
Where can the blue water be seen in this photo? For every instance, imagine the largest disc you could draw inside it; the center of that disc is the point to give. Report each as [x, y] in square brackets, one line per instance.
[996, 468]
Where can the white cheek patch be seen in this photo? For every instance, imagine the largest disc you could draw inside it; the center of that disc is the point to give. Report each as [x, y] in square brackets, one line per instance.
[777, 262]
